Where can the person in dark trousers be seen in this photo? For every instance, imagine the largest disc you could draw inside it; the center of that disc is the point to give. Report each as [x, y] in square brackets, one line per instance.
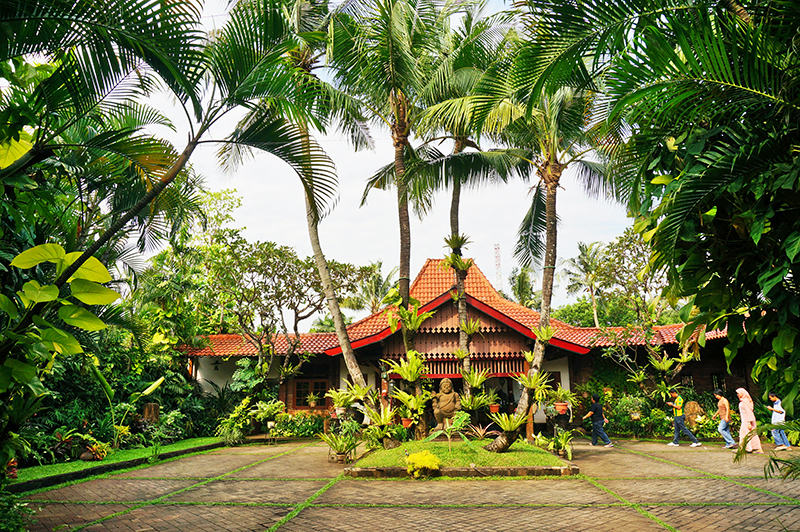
[680, 420]
[598, 419]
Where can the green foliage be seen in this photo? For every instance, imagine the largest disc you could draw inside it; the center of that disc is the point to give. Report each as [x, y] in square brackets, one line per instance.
[475, 402]
[508, 423]
[562, 441]
[411, 369]
[340, 443]
[562, 395]
[414, 404]
[381, 418]
[234, 428]
[422, 464]
[476, 378]
[15, 515]
[456, 262]
[267, 411]
[300, 425]
[411, 317]
[340, 398]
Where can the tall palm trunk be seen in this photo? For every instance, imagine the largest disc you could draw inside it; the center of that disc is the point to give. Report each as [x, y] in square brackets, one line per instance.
[333, 303]
[551, 175]
[461, 276]
[400, 138]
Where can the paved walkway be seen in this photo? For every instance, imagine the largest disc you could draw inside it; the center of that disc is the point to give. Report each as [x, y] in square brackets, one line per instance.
[636, 486]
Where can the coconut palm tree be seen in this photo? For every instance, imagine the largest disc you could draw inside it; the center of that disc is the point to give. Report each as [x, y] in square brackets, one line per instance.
[305, 21]
[382, 51]
[371, 290]
[581, 273]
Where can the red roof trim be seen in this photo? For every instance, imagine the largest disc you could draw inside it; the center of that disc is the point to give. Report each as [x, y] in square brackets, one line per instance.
[496, 314]
[430, 305]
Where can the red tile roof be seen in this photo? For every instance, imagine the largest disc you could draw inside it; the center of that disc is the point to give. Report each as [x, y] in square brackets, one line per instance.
[432, 288]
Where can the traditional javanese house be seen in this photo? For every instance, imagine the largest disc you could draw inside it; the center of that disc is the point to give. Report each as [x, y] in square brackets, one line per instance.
[505, 334]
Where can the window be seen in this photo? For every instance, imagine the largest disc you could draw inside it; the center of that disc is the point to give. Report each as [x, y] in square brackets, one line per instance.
[305, 387]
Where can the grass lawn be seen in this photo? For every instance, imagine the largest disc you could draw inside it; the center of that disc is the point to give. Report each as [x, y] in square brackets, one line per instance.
[36, 472]
[519, 455]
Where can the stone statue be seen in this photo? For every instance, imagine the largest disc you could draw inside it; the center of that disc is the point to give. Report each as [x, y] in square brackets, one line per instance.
[446, 402]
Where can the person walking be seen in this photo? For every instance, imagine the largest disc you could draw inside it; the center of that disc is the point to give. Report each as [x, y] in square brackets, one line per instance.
[748, 422]
[598, 419]
[778, 417]
[724, 414]
[679, 421]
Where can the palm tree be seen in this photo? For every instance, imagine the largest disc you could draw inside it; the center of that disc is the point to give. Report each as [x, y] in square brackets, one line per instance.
[102, 64]
[521, 281]
[303, 21]
[382, 51]
[581, 273]
[371, 290]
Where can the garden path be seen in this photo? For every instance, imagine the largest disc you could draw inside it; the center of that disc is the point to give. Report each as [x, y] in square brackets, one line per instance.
[636, 486]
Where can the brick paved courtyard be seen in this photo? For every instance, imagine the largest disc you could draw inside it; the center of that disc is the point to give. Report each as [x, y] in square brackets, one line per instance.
[636, 486]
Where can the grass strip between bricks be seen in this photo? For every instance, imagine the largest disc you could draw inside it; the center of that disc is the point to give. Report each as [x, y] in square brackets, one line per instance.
[158, 500]
[630, 504]
[718, 477]
[487, 505]
[305, 504]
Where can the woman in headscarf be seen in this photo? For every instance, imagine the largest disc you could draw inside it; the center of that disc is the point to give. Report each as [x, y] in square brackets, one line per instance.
[748, 422]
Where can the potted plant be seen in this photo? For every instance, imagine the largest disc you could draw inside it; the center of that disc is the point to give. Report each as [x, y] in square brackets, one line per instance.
[475, 402]
[312, 399]
[562, 399]
[265, 412]
[342, 399]
[342, 445]
[406, 417]
[493, 400]
[562, 443]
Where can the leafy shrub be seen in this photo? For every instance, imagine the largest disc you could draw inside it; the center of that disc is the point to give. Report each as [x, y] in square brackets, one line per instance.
[300, 425]
[14, 514]
[234, 428]
[423, 463]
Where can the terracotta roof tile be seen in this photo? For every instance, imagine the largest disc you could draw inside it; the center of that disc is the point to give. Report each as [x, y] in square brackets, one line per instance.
[225, 345]
[433, 283]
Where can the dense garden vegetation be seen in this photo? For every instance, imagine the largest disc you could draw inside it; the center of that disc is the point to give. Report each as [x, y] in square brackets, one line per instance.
[686, 111]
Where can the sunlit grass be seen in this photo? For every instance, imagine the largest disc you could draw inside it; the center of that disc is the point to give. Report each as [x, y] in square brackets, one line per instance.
[520, 454]
[36, 472]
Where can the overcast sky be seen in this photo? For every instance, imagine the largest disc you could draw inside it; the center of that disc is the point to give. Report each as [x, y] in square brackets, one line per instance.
[273, 207]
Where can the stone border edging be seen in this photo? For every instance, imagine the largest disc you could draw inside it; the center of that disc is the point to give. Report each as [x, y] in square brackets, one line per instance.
[45, 482]
[533, 471]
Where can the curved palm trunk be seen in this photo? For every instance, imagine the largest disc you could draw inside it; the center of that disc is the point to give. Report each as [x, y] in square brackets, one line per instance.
[333, 303]
[551, 177]
[461, 276]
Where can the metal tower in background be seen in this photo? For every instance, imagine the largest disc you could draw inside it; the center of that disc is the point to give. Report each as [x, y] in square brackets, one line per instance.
[498, 276]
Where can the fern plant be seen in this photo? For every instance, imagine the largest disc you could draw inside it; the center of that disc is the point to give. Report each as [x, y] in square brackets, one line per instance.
[506, 422]
[411, 369]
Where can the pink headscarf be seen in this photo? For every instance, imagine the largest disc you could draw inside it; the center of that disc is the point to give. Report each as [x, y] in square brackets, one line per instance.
[744, 396]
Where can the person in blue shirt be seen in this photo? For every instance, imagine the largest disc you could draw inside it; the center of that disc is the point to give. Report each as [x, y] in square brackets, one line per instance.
[778, 417]
[598, 419]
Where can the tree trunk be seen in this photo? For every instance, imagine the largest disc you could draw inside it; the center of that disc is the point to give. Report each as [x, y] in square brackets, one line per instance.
[333, 303]
[463, 338]
[594, 307]
[503, 442]
[404, 280]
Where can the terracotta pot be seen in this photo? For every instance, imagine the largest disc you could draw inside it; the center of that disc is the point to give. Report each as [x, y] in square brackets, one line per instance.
[406, 422]
[312, 404]
[561, 408]
[494, 409]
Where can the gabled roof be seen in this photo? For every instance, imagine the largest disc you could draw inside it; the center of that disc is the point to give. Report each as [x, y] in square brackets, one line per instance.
[432, 288]
[227, 345]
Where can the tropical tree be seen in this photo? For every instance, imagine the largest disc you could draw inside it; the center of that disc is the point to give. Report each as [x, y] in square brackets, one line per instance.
[100, 67]
[522, 281]
[711, 183]
[382, 51]
[371, 290]
[581, 273]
